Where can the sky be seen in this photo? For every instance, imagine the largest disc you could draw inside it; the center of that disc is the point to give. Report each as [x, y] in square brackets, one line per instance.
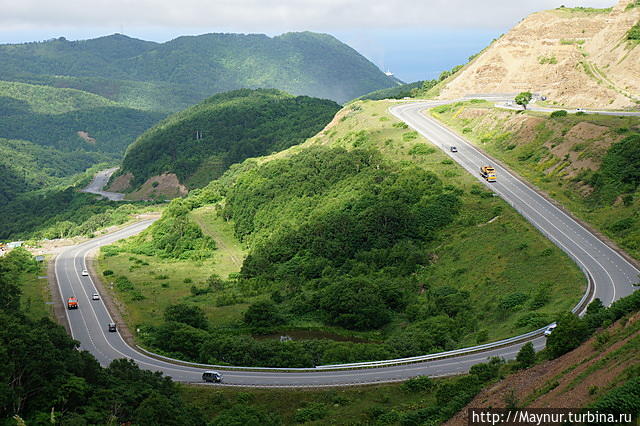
[414, 39]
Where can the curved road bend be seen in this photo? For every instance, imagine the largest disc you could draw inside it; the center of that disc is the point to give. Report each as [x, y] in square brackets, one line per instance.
[612, 274]
[99, 181]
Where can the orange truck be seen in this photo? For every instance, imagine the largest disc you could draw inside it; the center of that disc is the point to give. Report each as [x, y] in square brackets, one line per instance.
[72, 303]
[488, 173]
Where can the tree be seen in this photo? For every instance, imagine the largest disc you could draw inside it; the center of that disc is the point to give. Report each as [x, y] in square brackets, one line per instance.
[187, 314]
[524, 98]
[263, 314]
[526, 356]
[570, 332]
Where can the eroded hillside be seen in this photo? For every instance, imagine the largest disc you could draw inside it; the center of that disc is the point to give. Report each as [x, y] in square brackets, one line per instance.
[577, 57]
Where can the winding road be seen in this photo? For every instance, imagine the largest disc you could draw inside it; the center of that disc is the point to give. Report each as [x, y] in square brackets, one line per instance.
[99, 181]
[612, 277]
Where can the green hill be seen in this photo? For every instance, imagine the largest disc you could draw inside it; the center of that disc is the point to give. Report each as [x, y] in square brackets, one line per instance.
[53, 117]
[200, 143]
[195, 67]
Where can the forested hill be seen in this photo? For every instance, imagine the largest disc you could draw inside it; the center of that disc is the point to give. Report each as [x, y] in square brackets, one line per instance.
[200, 143]
[190, 68]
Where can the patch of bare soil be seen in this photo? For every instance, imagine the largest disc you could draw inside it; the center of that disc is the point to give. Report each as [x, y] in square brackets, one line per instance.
[573, 57]
[121, 183]
[163, 187]
[561, 377]
[87, 138]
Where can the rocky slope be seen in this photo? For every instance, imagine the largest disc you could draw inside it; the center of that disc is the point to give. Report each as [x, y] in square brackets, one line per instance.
[576, 57]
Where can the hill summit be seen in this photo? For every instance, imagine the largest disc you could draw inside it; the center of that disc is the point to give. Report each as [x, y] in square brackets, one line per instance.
[580, 57]
[188, 69]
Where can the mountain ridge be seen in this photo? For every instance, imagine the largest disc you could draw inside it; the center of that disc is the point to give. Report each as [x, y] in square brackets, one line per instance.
[301, 63]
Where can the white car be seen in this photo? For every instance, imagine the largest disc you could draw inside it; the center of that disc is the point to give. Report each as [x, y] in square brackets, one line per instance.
[550, 329]
[85, 273]
[95, 296]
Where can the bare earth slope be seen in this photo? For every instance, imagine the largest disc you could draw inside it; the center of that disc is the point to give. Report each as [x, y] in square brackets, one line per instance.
[576, 379]
[576, 57]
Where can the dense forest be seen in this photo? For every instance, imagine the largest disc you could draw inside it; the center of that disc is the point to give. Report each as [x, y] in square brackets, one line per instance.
[53, 117]
[200, 143]
[45, 379]
[190, 68]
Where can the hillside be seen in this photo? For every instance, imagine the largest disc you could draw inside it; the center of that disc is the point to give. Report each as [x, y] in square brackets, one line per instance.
[194, 67]
[578, 57]
[600, 371]
[589, 163]
[25, 166]
[69, 119]
[361, 243]
[197, 145]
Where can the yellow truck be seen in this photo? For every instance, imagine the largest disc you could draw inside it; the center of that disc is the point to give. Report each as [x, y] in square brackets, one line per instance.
[488, 173]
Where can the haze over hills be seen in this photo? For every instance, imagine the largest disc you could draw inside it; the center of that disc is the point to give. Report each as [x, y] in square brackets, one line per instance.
[190, 68]
[578, 57]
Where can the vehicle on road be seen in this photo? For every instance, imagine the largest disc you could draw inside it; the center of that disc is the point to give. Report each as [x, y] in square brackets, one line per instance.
[95, 296]
[453, 149]
[550, 329]
[488, 173]
[85, 273]
[72, 303]
[112, 326]
[212, 376]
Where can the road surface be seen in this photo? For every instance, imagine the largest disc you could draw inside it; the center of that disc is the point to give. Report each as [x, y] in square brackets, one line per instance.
[99, 181]
[613, 277]
[532, 107]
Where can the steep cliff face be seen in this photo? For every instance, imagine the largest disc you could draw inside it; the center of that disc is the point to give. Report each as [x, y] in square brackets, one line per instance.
[576, 57]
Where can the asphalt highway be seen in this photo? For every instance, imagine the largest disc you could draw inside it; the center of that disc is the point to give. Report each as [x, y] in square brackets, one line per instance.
[613, 277]
[99, 181]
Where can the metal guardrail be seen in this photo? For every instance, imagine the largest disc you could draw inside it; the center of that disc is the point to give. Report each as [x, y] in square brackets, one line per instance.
[579, 309]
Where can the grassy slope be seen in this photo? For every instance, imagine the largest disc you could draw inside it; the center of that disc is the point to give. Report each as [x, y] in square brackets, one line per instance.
[513, 252]
[161, 293]
[345, 406]
[49, 100]
[35, 293]
[511, 249]
[549, 153]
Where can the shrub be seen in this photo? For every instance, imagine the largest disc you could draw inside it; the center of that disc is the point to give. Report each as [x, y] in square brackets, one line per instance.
[512, 301]
[570, 332]
[263, 314]
[634, 32]
[123, 283]
[187, 314]
[409, 136]
[560, 113]
[526, 356]
[421, 149]
[313, 411]
[418, 384]
[107, 272]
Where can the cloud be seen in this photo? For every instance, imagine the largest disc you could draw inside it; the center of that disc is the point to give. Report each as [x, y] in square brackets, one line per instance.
[271, 15]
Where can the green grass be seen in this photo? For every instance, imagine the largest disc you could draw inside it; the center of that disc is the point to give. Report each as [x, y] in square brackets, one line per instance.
[51, 100]
[230, 254]
[531, 157]
[159, 293]
[35, 293]
[343, 406]
[490, 250]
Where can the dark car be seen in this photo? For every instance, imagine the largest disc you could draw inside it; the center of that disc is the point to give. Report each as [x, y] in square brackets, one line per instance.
[112, 326]
[212, 377]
